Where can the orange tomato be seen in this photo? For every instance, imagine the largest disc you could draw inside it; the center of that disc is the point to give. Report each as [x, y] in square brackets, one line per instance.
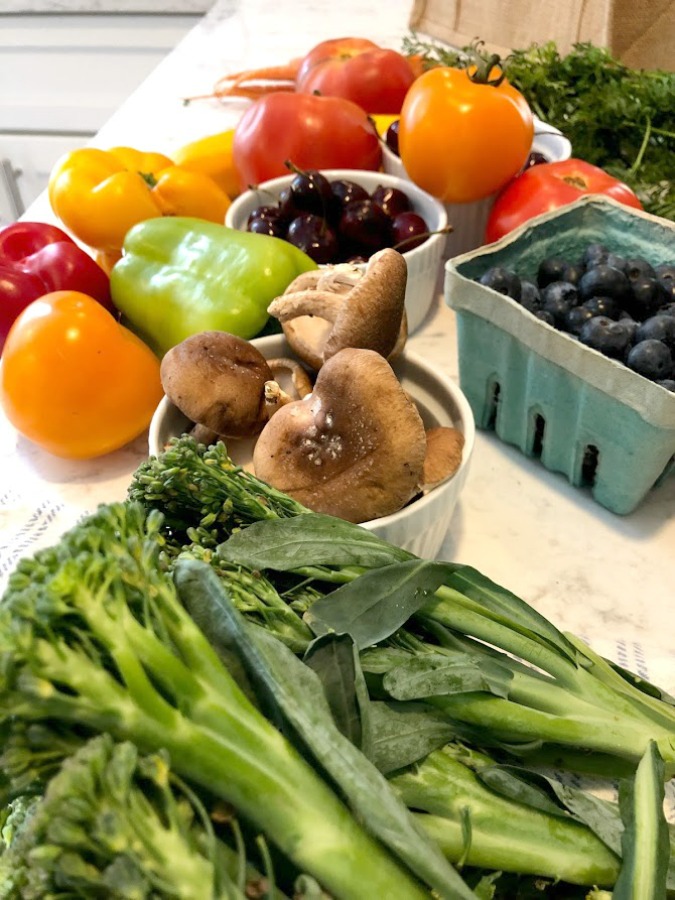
[75, 381]
[462, 139]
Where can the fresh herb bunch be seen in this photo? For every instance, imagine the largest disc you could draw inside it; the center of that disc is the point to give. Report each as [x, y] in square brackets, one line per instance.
[617, 118]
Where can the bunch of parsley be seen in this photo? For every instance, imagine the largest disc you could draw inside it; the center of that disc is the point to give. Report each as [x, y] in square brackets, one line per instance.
[618, 118]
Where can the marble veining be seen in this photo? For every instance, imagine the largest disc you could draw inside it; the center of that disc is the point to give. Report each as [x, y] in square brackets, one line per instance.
[610, 579]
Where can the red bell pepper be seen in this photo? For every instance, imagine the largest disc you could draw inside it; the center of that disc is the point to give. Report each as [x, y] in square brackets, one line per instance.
[37, 259]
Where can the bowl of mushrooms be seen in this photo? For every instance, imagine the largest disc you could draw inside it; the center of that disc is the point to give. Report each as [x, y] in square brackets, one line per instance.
[342, 418]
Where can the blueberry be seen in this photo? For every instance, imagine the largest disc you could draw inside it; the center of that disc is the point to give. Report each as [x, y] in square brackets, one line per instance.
[594, 254]
[667, 310]
[658, 328]
[558, 298]
[637, 267]
[652, 359]
[645, 298]
[576, 317]
[607, 336]
[616, 261]
[604, 281]
[550, 270]
[530, 297]
[545, 316]
[603, 306]
[665, 274]
[667, 383]
[573, 272]
[502, 280]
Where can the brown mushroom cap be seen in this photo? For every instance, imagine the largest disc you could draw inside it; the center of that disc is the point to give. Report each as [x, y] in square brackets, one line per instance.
[218, 380]
[444, 454]
[354, 448]
[346, 308]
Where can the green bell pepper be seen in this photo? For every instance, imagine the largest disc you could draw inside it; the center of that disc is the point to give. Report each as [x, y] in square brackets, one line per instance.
[179, 276]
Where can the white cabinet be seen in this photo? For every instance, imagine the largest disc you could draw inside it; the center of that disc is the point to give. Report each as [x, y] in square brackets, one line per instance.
[61, 78]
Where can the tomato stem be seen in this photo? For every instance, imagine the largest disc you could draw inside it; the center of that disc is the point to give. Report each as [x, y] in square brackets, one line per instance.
[484, 65]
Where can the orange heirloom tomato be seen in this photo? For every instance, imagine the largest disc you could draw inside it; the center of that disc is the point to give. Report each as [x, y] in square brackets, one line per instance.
[463, 133]
[75, 381]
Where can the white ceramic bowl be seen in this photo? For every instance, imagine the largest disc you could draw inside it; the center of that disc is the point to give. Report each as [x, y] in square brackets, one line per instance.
[469, 219]
[424, 262]
[420, 527]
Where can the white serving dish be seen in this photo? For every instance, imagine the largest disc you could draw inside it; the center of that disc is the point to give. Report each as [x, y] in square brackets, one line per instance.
[422, 525]
[469, 219]
[424, 262]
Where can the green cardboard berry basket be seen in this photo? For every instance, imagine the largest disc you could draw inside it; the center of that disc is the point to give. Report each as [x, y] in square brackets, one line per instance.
[587, 416]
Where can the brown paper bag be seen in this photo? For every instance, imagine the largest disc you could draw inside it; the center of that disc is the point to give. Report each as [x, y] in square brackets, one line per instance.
[641, 33]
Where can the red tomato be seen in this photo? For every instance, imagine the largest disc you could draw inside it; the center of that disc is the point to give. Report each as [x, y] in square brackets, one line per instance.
[358, 70]
[75, 381]
[462, 136]
[548, 186]
[310, 131]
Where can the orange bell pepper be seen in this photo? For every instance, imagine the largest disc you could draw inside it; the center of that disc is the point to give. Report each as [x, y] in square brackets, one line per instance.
[100, 194]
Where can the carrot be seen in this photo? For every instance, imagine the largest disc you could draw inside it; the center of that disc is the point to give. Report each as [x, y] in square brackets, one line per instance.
[252, 83]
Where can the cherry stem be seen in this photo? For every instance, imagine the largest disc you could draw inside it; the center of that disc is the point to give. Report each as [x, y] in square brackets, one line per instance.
[424, 234]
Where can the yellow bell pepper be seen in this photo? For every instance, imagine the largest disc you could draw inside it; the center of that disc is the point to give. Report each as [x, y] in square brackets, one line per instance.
[100, 194]
[211, 155]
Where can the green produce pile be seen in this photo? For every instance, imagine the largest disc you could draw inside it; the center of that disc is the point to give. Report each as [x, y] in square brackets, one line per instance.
[617, 118]
[208, 691]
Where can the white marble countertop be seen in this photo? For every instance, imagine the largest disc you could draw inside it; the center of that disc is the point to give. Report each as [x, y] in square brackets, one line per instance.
[610, 579]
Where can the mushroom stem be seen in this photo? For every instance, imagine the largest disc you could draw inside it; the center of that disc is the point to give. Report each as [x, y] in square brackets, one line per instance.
[302, 383]
[324, 304]
[275, 397]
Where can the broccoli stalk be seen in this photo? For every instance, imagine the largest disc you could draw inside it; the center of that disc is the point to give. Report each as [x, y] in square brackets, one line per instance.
[93, 633]
[477, 826]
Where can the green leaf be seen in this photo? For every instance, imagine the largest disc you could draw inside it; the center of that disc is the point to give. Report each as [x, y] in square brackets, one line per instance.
[336, 664]
[505, 781]
[308, 540]
[507, 607]
[404, 733]
[645, 842]
[433, 675]
[379, 602]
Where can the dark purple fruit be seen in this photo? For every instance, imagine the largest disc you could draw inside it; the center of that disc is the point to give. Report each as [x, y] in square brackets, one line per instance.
[667, 383]
[637, 267]
[665, 274]
[365, 225]
[658, 328]
[604, 281]
[502, 280]
[606, 336]
[616, 261]
[576, 318]
[391, 137]
[545, 316]
[652, 359]
[535, 159]
[530, 297]
[392, 200]
[345, 191]
[274, 226]
[603, 306]
[572, 272]
[408, 230]
[558, 298]
[667, 310]
[645, 298]
[314, 237]
[594, 254]
[551, 270]
[311, 192]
